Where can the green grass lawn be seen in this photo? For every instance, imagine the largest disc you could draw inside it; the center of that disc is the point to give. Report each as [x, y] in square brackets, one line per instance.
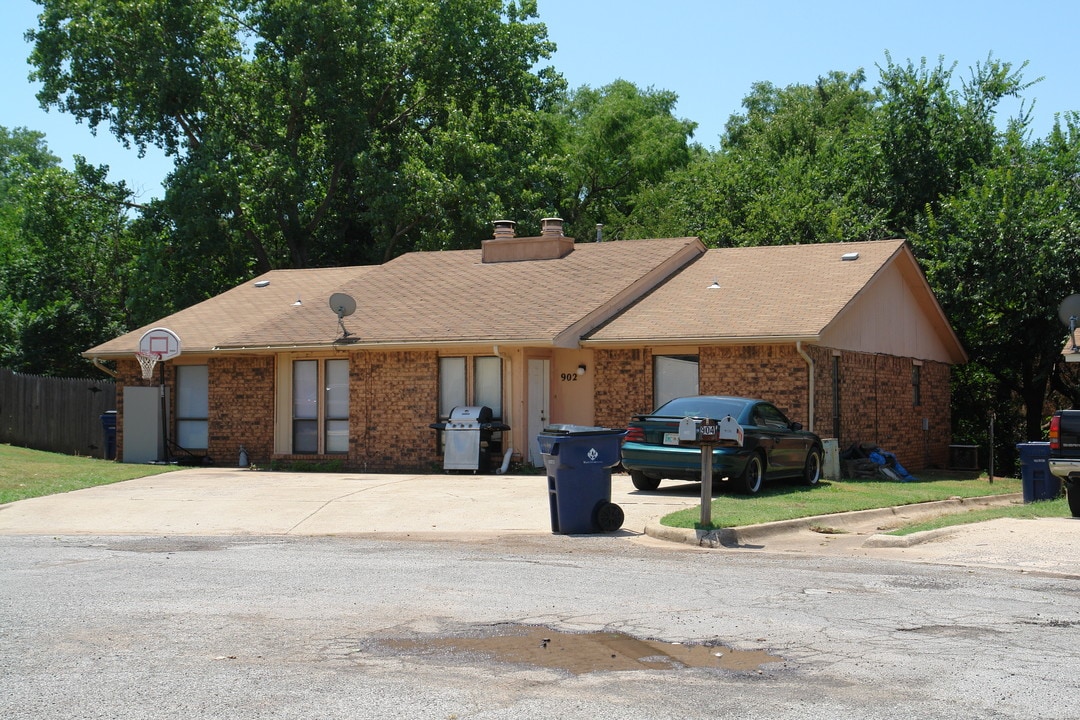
[787, 501]
[26, 473]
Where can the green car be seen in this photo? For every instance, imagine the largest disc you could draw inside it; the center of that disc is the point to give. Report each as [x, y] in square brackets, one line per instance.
[773, 446]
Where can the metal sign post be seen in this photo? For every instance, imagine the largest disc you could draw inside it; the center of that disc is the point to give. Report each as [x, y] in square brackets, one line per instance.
[706, 434]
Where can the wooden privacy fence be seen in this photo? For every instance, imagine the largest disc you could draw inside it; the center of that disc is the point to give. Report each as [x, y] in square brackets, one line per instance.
[55, 414]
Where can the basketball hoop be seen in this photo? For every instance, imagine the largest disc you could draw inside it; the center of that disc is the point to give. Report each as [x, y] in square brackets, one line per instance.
[147, 361]
[156, 345]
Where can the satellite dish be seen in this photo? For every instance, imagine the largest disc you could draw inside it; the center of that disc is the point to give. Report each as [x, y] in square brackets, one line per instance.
[1069, 309]
[1069, 313]
[344, 306]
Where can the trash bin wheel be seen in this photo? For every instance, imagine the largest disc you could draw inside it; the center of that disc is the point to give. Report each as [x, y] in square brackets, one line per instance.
[609, 517]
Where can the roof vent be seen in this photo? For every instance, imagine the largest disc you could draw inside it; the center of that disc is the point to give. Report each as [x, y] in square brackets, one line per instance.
[551, 227]
[850, 256]
[504, 229]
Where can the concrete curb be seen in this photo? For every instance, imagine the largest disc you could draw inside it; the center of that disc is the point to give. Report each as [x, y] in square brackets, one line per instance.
[734, 537]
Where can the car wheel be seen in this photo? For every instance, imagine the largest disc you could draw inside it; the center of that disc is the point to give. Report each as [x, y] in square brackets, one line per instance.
[642, 481]
[753, 475]
[812, 469]
[609, 517]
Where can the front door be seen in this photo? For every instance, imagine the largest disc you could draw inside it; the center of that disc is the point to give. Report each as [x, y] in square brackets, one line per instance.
[539, 406]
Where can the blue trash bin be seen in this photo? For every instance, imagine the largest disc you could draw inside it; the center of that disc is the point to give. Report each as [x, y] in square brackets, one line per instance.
[108, 425]
[1038, 482]
[578, 459]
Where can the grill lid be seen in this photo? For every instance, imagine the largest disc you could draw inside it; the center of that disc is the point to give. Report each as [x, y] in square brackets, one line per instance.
[471, 413]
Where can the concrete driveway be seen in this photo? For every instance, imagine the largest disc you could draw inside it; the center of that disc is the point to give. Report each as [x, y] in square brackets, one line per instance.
[230, 501]
[466, 507]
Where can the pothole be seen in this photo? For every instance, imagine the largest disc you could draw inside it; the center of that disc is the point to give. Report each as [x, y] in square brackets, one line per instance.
[581, 653]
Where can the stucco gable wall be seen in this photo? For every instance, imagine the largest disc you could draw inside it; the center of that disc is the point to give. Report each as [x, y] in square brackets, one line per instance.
[893, 317]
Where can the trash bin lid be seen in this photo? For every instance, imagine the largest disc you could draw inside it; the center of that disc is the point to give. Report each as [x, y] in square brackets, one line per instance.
[567, 429]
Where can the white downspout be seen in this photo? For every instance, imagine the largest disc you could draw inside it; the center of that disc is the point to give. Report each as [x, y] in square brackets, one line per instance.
[102, 368]
[509, 404]
[810, 372]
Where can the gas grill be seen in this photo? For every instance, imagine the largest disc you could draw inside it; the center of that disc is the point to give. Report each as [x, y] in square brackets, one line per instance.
[467, 437]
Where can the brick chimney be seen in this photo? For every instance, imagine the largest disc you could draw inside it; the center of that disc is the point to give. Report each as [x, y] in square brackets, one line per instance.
[506, 247]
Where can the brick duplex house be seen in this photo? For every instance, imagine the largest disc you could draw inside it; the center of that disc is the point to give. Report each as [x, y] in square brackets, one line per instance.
[847, 338]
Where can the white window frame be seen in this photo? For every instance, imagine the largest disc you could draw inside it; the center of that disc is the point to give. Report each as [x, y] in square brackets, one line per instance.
[193, 407]
[470, 380]
[319, 401]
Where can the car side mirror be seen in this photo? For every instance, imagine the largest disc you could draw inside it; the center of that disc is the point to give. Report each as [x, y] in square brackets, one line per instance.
[796, 426]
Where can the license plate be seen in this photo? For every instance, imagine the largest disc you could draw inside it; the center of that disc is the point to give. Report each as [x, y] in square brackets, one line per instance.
[671, 438]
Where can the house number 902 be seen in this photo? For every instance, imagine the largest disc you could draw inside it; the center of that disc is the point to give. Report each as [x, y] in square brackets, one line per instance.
[569, 377]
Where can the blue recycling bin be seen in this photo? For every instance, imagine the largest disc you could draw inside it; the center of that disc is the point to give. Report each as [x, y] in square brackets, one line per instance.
[108, 425]
[578, 459]
[1038, 482]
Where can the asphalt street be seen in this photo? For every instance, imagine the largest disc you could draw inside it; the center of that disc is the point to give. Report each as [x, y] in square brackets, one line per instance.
[236, 594]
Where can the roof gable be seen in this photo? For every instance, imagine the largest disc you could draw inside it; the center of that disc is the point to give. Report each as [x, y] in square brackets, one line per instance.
[777, 293]
[430, 298]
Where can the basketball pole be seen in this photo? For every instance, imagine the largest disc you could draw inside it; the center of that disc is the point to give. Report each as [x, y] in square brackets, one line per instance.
[164, 419]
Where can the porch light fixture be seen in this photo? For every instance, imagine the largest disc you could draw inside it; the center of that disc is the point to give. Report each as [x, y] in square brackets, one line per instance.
[581, 369]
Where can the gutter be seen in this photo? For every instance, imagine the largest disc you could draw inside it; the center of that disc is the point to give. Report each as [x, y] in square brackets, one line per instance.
[658, 341]
[810, 384]
[97, 363]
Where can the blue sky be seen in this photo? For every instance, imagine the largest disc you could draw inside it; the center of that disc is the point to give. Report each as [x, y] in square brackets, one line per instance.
[709, 52]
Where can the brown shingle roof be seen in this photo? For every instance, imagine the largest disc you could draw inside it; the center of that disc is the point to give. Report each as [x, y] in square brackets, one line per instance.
[788, 291]
[430, 298]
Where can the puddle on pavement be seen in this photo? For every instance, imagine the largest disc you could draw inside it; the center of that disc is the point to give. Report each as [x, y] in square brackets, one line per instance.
[590, 652]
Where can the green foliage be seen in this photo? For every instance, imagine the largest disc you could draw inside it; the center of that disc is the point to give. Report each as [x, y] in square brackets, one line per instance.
[1002, 254]
[65, 254]
[311, 132]
[610, 143]
[796, 167]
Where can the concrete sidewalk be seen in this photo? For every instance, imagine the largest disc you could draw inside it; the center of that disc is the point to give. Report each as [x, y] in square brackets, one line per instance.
[231, 501]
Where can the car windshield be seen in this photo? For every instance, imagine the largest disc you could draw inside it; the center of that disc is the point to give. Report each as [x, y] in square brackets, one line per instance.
[703, 407]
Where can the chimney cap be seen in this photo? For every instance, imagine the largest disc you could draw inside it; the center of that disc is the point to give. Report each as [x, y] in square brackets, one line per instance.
[551, 227]
[504, 228]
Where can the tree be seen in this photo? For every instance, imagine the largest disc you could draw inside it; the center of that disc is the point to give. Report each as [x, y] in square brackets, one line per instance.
[65, 268]
[1001, 255]
[609, 144]
[311, 132]
[795, 167]
[932, 134]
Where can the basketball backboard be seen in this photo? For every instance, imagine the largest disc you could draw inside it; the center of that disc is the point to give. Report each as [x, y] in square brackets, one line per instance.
[162, 342]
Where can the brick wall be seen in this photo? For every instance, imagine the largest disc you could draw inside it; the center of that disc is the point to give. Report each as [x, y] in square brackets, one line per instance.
[876, 397]
[776, 373]
[241, 404]
[623, 386]
[878, 405]
[395, 397]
